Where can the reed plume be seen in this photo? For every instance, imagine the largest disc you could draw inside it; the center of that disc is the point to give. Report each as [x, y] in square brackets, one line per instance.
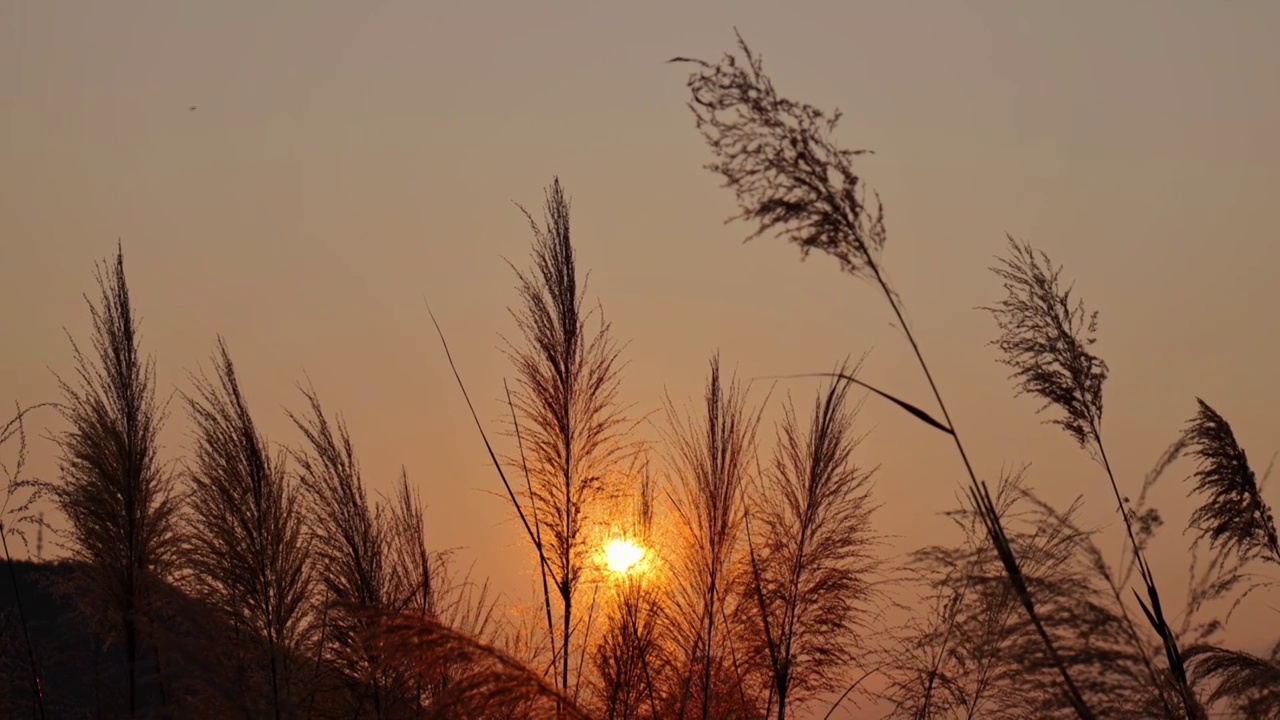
[813, 573]
[118, 498]
[568, 416]
[1232, 516]
[1238, 527]
[712, 453]
[248, 551]
[1045, 338]
[1247, 683]
[348, 537]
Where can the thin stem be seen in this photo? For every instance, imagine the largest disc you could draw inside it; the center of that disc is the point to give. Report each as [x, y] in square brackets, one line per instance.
[586, 638]
[850, 689]
[946, 637]
[492, 455]
[1156, 614]
[644, 661]
[542, 568]
[22, 618]
[981, 493]
[733, 656]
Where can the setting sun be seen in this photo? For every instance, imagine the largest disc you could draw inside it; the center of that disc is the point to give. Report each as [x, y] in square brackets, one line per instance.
[621, 555]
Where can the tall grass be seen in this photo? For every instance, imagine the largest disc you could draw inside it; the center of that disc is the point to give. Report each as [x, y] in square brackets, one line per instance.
[1045, 337]
[248, 551]
[16, 513]
[568, 418]
[349, 538]
[712, 456]
[792, 179]
[118, 498]
[812, 560]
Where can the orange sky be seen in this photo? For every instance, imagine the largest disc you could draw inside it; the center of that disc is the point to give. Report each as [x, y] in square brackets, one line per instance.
[346, 160]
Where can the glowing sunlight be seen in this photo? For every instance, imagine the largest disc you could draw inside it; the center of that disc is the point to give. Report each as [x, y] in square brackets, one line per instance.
[622, 555]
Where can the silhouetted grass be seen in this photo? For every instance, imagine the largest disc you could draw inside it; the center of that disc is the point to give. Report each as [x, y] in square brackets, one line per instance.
[759, 586]
[1233, 517]
[792, 179]
[1045, 338]
[20, 494]
[813, 570]
[1238, 527]
[117, 496]
[712, 455]
[349, 539]
[991, 664]
[496, 685]
[568, 415]
[248, 550]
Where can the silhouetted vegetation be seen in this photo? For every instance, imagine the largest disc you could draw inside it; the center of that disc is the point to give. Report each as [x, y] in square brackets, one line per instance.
[744, 577]
[15, 515]
[814, 572]
[248, 553]
[116, 494]
[568, 418]
[712, 454]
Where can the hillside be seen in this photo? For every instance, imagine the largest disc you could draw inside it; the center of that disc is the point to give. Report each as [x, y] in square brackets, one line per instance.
[82, 675]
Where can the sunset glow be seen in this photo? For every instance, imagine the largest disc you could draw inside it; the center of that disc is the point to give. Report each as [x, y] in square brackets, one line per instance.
[621, 555]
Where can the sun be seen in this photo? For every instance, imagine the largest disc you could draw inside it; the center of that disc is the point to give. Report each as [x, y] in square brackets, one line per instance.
[621, 556]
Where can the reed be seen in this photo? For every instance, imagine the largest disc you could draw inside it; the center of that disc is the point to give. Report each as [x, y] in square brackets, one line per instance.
[791, 179]
[248, 551]
[814, 568]
[119, 499]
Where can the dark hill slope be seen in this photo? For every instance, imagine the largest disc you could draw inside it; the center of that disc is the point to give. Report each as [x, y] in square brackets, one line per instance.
[184, 672]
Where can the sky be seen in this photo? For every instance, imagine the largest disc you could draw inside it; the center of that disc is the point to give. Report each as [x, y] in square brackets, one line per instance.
[346, 163]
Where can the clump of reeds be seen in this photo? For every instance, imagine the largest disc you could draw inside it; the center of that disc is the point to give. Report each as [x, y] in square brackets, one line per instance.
[117, 496]
[983, 657]
[423, 585]
[348, 537]
[712, 456]
[1045, 337]
[631, 661]
[248, 550]
[813, 569]
[1237, 525]
[790, 177]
